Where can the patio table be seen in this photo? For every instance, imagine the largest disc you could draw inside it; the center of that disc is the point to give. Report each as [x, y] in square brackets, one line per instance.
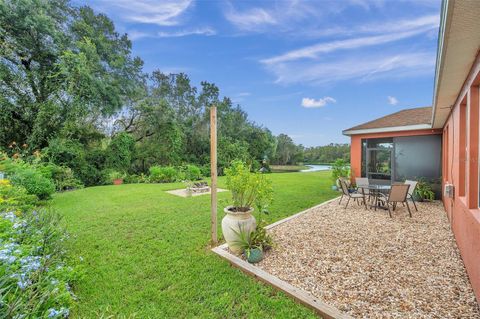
[375, 190]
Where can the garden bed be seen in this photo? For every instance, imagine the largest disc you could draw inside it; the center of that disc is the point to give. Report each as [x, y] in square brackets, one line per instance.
[369, 265]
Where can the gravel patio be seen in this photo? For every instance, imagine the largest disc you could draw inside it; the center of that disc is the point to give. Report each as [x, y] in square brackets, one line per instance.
[369, 265]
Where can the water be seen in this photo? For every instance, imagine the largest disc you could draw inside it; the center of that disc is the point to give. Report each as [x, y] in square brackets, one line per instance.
[316, 168]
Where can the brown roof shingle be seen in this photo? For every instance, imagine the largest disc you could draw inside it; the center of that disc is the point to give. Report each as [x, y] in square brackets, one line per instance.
[420, 115]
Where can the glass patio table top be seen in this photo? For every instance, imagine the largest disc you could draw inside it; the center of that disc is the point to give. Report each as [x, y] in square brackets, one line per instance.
[376, 187]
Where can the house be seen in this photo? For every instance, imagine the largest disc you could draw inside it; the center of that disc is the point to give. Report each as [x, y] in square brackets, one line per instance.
[441, 142]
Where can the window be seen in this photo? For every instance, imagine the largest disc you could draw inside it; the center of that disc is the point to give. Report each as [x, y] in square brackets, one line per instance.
[377, 158]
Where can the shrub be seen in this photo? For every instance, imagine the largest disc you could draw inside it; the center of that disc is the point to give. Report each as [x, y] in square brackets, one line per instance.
[248, 188]
[112, 175]
[15, 198]
[66, 153]
[35, 281]
[192, 173]
[135, 179]
[424, 190]
[34, 182]
[163, 174]
[205, 169]
[65, 179]
[340, 168]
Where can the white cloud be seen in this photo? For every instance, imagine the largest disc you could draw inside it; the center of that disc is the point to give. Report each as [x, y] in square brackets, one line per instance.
[313, 103]
[323, 63]
[250, 19]
[429, 22]
[207, 31]
[135, 35]
[239, 97]
[392, 100]
[363, 68]
[285, 15]
[315, 50]
[163, 13]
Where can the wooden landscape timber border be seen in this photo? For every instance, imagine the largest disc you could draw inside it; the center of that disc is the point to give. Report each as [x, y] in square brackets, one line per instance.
[325, 310]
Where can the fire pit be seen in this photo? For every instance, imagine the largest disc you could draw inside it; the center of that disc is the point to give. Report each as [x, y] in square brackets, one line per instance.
[198, 187]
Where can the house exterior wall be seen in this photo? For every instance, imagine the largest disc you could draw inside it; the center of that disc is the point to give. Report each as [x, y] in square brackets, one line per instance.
[356, 146]
[461, 168]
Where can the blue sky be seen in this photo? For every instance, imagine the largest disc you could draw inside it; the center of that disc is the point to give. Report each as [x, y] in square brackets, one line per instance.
[305, 68]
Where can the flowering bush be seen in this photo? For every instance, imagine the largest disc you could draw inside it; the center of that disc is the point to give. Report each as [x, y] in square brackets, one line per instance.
[28, 175]
[15, 197]
[35, 281]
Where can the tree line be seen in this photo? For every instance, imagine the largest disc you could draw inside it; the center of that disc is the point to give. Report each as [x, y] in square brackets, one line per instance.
[71, 90]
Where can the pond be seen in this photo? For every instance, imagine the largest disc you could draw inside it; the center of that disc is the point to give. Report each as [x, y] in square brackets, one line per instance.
[315, 168]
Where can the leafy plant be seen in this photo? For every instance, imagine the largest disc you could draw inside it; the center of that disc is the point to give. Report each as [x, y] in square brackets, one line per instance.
[256, 239]
[248, 188]
[261, 238]
[115, 175]
[192, 173]
[163, 174]
[34, 182]
[244, 241]
[15, 198]
[340, 168]
[424, 190]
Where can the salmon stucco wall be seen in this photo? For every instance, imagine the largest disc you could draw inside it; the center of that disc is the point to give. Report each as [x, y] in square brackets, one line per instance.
[356, 146]
[460, 168]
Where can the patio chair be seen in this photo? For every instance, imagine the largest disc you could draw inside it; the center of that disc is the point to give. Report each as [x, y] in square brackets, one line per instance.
[398, 194]
[350, 195]
[411, 191]
[363, 181]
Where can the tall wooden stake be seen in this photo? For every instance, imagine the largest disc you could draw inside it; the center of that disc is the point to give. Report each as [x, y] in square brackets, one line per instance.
[213, 169]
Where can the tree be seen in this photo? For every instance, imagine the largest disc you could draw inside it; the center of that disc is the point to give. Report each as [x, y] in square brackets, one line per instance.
[286, 150]
[61, 67]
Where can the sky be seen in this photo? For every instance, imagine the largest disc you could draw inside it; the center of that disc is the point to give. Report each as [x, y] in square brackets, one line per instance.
[308, 69]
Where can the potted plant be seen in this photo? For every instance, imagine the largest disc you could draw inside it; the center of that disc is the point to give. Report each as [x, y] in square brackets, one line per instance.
[116, 177]
[424, 191]
[340, 169]
[248, 189]
[246, 246]
[252, 244]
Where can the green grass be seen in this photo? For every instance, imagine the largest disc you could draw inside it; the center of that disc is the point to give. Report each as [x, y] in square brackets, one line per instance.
[287, 168]
[146, 252]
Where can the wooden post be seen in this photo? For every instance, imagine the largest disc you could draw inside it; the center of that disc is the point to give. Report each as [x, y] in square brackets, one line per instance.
[213, 169]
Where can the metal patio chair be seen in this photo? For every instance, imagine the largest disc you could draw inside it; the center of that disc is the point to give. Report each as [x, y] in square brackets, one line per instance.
[411, 191]
[398, 194]
[350, 195]
[363, 181]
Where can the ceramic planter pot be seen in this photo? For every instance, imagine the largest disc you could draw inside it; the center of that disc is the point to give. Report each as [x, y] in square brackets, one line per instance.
[255, 255]
[118, 181]
[236, 222]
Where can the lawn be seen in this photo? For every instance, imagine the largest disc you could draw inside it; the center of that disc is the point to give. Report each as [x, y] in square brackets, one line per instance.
[287, 168]
[145, 252]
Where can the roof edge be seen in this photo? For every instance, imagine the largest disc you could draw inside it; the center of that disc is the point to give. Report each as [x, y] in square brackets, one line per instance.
[354, 128]
[388, 129]
[445, 22]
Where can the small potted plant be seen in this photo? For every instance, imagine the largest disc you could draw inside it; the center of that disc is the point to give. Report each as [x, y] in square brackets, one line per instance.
[424, 191]
[116, 177]
[253, 244]
[248, 189]
[246, 246]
